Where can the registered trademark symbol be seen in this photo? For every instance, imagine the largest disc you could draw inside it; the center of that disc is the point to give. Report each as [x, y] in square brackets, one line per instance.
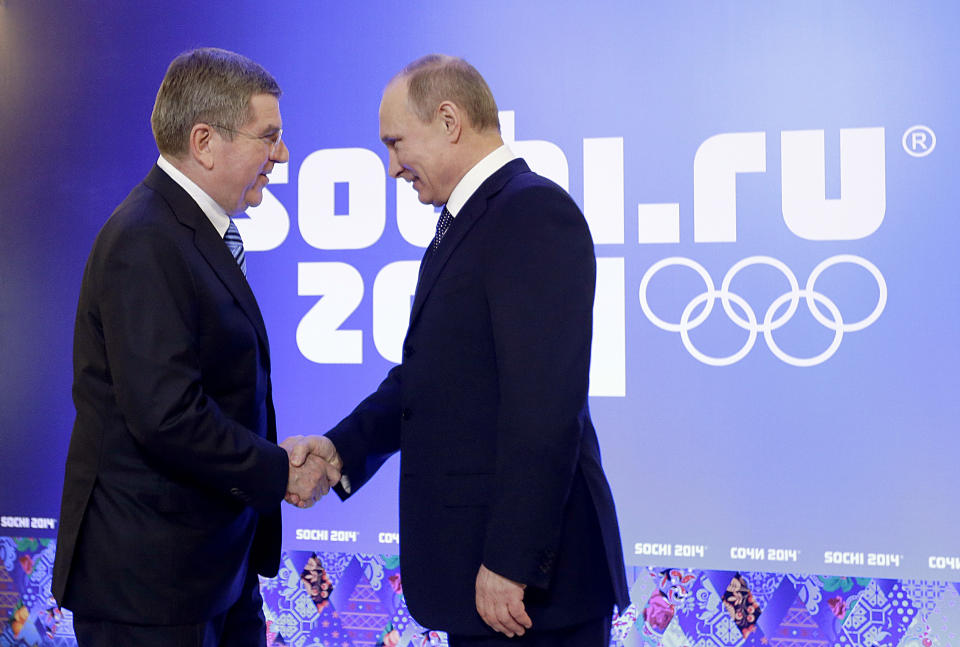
[919, 141]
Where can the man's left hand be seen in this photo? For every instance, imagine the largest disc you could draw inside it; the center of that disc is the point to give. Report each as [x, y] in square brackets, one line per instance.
[500, 603]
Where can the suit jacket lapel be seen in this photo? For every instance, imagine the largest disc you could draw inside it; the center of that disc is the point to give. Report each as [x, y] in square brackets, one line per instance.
[472, 211]
[211, 247]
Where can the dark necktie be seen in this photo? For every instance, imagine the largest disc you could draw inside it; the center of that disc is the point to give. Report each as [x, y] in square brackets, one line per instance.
[445, 219]
[235, 245]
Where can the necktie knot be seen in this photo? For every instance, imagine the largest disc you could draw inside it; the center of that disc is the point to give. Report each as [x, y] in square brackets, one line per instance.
[235, 245]
[442, 224]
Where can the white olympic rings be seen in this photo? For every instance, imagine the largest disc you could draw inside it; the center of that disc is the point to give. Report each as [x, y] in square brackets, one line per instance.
[835, 322]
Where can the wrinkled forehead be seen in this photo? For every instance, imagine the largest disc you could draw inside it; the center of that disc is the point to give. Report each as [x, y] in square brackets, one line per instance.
[394, 99]
[265, 111]
[394, 110]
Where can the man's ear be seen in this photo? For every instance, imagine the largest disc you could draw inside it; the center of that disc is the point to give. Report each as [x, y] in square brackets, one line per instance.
[451, 119]
[201, 145]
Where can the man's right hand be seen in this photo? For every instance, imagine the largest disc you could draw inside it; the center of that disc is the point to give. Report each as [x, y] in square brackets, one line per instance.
[314, 468]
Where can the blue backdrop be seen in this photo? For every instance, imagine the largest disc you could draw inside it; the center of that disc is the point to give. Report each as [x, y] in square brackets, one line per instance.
[772, 193]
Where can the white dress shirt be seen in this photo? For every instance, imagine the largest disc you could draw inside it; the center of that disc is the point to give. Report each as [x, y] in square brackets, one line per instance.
[215, 213]
[476, 176]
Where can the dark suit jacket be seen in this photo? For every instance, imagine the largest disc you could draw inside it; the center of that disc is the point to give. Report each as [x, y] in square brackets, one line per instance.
[499, 459]
[173, 478]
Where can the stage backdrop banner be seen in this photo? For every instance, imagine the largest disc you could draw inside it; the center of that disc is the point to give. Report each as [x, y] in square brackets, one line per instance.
[772, 191]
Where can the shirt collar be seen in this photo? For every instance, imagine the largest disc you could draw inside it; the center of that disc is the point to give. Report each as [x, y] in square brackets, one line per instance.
[216, 214]
[476, 176]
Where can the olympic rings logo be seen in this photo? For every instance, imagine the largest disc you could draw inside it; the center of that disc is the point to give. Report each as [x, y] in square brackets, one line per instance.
[834, 322]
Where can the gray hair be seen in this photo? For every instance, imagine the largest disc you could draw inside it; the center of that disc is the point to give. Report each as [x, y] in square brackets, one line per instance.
[435, 78]
[206, 85]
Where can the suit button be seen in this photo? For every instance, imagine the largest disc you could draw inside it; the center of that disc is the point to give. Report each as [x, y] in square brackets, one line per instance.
[406, 414]
[546, 560]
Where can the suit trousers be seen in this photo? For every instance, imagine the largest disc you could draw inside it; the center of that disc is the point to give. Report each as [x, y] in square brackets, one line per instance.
[242, 625]
[592, 633]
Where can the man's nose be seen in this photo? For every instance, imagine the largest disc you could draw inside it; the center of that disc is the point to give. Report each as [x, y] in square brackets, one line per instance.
[394, 169]
[281, 153]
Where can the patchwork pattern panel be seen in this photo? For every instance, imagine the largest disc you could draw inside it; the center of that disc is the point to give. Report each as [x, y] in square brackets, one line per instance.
[356, 600]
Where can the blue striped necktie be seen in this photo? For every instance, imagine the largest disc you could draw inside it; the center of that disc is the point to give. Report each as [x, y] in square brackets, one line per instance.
[235, 245]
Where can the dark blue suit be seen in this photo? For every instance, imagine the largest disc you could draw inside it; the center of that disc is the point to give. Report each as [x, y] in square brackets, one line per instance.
[499, 459]
[173, 478]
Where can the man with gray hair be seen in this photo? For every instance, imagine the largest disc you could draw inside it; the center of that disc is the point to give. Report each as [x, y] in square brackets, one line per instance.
[508, 532]
[171, 498]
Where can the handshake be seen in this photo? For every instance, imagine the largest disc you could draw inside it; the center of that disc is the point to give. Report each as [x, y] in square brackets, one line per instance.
[314, 468]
